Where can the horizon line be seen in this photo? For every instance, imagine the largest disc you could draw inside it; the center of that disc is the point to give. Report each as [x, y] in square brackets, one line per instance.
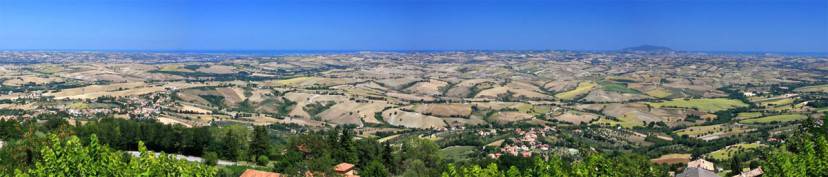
[391, 50]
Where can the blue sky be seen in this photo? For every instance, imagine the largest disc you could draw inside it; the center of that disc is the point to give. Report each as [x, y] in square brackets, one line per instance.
[698, 25]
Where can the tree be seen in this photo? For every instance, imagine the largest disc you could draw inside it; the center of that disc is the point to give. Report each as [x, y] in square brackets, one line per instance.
[262, 160]
[260, 144]
[375, 169]
[735, 166]
[234, 142]
[210, 158]
[415, 168]
[345, 149]
[804, 154]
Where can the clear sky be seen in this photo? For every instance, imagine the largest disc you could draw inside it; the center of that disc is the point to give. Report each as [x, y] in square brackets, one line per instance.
[698, 25]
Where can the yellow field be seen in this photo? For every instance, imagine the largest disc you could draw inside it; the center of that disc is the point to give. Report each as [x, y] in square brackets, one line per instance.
[780, 118]
[672, 159]
[293, 81]
[658, 93]
[583, 88]
[727, 152]
[704, 104]
[174, 68]
[748, 115]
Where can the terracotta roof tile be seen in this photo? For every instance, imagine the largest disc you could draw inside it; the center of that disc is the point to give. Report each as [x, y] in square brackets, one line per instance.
[256, 173]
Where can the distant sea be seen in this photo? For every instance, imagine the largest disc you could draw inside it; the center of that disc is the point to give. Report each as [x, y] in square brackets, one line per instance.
[256, 52]
[324, 52]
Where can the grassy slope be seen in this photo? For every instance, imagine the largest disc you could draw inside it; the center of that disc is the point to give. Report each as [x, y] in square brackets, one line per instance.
[704, 104]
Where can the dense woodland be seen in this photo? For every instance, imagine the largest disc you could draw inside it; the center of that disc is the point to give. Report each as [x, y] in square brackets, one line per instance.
[56, 147]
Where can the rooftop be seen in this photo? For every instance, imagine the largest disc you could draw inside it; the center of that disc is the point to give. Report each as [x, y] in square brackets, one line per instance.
[256, 173]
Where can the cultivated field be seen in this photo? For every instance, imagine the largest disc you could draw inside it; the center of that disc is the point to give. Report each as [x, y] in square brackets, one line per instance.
[575, 117]
[583, 88]
[444, 110]
[776, 118]
[399, 117]
[815, 88]
[729, 151]
[672, 159]
[704, 104]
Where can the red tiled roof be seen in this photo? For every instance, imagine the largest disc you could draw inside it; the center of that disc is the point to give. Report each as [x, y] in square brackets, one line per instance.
[256, 173]
[343, 167]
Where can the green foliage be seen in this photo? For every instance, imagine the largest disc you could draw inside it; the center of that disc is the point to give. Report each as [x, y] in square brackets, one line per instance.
[315, 108]
[375, 169]
[262, 160]
[320, 151]
[124, 135]
[592, 165]
[420, 157]
[210, 158]
[71, 158]
[616, 87]
[246, 106]
[285, 107]
[805, 154]
[260, 144]
[215, 100]
[234, 143]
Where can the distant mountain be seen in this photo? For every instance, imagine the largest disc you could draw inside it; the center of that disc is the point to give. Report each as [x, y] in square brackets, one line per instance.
[648, 48]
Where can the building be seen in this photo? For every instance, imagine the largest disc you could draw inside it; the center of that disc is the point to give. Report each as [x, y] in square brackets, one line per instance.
[346, 169]
[696, 172]
[702, 164]
[256, 173]
[752, 173]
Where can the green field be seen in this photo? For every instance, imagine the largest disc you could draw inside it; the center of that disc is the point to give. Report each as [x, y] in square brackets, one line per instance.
[815, 88]
[779, 118]
[727, 152]
[699, 130]
[583, 88]
[777, 102]
[532, 109]
[457, 153]
[624, 121]
[704, 104]
[614, 87]
[748, 115]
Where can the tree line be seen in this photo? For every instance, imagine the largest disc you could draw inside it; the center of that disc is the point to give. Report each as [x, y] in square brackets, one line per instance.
[56, 147]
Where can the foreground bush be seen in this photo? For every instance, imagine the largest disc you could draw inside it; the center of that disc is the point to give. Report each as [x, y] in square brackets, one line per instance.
[70, 157]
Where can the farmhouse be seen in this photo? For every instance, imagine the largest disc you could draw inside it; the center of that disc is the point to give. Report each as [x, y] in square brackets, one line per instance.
[346, 169]
[256, 173]
[696, 172]
[702, 164]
